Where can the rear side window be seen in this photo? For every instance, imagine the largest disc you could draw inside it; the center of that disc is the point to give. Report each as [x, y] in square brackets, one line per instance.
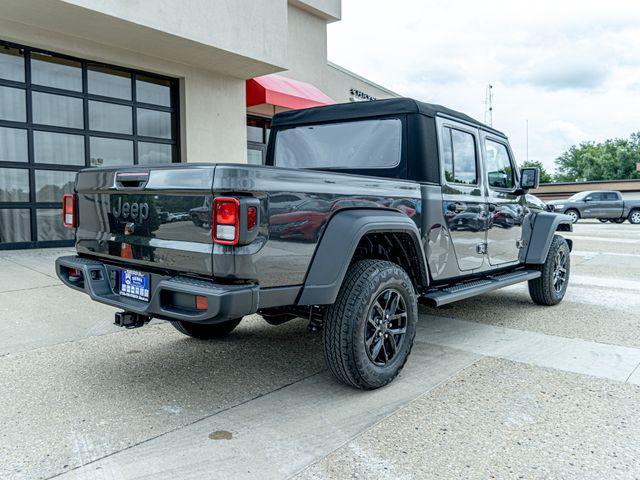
[349, 145]
[459, 157]
[611, 196]
[499, 168]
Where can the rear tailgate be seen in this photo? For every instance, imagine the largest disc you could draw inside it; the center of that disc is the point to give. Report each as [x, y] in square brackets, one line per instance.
[157, 217]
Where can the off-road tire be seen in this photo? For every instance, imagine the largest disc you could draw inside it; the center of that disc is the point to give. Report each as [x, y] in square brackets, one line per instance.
[618, 220]
[346, 324]
[206, 331]
[542, 289]
[575, 214]
[634, 217]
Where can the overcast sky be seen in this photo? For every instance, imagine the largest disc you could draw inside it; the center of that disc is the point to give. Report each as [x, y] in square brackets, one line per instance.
[571, 68]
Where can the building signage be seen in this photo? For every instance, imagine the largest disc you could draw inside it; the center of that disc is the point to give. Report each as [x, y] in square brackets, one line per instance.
[359, 96]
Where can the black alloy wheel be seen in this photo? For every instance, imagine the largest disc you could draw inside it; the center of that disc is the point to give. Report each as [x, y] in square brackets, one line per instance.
[560, 270]
[386, 327]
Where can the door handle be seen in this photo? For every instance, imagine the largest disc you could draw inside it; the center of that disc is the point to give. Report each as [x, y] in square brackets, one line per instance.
[457, 207]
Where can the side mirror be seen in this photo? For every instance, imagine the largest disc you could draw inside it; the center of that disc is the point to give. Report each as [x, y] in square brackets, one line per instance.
[588, 199]
[529, 178]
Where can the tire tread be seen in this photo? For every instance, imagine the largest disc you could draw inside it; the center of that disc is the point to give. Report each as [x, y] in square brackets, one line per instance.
[339, 325]
[540, 288]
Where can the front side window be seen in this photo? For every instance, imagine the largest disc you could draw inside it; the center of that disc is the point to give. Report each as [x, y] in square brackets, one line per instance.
[350, 145]
[499, 169]
[459, 157]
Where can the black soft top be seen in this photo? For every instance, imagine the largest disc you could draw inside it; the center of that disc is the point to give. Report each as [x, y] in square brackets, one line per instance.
[375, 108]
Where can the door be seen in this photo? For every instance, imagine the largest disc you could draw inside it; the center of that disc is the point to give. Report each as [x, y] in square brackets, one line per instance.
[505, 209]
[611, 205]
[462, 191]
[593, 206]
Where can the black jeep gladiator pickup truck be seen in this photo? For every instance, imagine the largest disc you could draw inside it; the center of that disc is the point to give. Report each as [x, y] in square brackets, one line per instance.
[362, 211]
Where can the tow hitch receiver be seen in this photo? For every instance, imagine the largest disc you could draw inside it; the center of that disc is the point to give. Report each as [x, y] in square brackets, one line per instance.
[130, 319]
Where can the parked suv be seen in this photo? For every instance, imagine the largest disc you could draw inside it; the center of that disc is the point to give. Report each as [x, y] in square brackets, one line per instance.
[603, 205]
[362, 211]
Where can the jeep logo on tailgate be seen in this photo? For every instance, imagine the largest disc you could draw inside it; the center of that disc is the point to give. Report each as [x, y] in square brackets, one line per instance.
[134, 210]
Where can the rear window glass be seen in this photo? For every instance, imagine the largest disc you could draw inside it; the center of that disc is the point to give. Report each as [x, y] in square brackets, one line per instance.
[351, 145]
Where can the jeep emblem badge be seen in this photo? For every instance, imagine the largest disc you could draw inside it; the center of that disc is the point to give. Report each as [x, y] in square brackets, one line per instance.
[135, 211]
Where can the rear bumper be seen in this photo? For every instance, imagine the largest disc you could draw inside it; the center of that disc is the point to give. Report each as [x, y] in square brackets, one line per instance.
[99, 281]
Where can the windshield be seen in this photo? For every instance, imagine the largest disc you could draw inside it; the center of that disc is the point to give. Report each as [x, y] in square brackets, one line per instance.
[578, 196]
[351, 145]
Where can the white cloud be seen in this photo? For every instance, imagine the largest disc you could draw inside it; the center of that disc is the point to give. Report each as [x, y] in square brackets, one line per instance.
[571, 68]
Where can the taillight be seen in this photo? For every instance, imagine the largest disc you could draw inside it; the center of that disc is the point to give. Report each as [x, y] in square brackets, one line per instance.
[226, 220]
[69, 211]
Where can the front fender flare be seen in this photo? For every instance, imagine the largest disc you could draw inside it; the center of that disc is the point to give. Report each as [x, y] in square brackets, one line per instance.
[538, 231]
[337, 246]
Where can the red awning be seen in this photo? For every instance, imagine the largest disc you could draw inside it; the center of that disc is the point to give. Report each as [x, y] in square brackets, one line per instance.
[284, 92]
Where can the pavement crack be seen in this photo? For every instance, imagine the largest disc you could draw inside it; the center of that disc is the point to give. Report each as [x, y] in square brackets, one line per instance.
[632, 372]
[31, 288]
[28, 267]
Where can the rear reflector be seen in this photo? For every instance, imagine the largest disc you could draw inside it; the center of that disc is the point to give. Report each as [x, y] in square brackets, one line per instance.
[69, 210]
[252, 217]
[226, 220]
[202, 303]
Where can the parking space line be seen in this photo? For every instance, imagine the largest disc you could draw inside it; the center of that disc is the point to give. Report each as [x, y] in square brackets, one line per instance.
[603, 239]
[281, 433]
[604, 282]
[569, 354]
[593, 254]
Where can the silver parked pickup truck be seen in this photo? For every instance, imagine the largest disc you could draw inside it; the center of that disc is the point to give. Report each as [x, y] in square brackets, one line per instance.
[604, 205]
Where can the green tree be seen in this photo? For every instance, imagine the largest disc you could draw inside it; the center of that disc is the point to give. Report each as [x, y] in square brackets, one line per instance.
[613, 159]
[545, 176]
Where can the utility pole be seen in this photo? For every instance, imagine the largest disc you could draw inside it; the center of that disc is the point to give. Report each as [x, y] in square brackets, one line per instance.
[488, 105]
[527, 140]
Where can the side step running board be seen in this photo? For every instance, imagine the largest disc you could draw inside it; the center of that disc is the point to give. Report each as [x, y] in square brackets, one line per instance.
[453, 293]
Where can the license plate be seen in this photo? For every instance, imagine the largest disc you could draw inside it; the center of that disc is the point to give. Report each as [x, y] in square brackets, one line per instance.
[134, 284]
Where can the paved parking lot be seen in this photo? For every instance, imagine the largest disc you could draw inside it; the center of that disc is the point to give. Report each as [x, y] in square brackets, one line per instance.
[496, 387]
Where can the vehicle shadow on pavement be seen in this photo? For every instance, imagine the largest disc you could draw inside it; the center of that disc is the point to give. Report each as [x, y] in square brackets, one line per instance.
[256, 352]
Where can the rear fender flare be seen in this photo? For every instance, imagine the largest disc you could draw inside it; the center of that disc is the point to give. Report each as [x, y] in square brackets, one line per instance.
[337, 246]
[538, 231]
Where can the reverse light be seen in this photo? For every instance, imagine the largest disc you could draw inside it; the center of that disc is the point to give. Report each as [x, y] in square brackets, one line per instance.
[69, 211]
[226, 220]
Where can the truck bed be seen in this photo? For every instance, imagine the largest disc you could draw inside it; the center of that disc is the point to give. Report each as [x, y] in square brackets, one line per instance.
[160, 218]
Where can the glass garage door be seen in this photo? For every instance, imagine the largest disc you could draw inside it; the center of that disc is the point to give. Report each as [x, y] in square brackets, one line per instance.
[60, 114]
